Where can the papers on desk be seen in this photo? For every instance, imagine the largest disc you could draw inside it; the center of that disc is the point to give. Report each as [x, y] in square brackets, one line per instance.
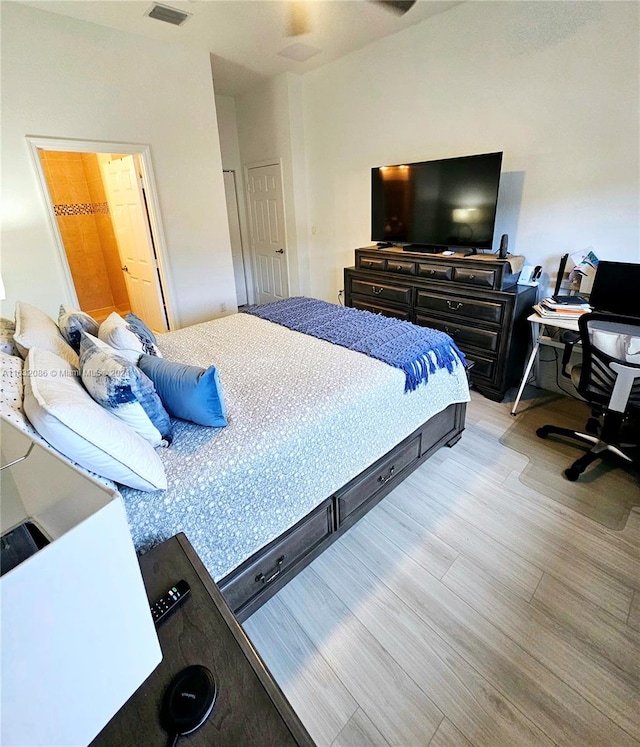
[584, 272]
[550, 309]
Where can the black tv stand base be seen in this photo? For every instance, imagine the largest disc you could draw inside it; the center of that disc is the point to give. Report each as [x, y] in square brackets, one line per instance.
[422, 248]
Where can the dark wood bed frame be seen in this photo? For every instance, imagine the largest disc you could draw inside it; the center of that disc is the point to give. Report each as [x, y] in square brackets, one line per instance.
[249, 585]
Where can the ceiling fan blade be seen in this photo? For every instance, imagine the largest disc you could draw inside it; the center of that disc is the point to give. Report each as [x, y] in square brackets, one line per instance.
[298, 18]
[397, 6]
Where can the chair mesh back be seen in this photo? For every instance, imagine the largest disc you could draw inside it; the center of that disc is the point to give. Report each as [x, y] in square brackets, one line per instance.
[607, 338]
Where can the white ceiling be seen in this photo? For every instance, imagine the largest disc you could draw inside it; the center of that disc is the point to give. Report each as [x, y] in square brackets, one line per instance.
[244, 37]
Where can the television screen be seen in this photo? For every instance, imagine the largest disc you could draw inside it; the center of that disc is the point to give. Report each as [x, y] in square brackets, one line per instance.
[439, 204]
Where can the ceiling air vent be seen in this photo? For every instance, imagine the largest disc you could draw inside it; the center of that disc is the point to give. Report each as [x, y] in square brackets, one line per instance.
[167, 14]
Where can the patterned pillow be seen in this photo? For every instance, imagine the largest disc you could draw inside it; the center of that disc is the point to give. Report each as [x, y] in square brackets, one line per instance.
[130, 336]
[7, 345]
[12, 396]
[73, 321]
[123, 390]
[34, 329]
[11, 386]
[65, 415]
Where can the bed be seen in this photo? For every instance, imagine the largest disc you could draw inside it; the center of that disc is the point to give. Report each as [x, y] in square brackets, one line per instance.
[316, 435]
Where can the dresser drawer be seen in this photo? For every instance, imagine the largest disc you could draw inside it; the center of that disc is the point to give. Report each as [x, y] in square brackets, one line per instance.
[400, 266]
[435, 272]
[363, 488]
[251, 577]
[487, 311]
[482, 367]
[372, 263]
[382, 291]
[375, 308]
[463, 334]
[470, 276]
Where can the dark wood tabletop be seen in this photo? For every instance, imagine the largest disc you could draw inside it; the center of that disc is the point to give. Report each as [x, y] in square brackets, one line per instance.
[250, 709]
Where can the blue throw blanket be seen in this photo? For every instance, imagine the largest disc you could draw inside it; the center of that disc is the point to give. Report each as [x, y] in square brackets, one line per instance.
[418, 351]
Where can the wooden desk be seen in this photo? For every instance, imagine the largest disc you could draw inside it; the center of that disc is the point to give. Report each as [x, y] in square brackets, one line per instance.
[250, 709]
[537, 322]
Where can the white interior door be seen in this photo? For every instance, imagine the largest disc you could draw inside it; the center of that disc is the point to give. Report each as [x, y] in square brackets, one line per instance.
[268, 242]
[133, 236]
[236, 237]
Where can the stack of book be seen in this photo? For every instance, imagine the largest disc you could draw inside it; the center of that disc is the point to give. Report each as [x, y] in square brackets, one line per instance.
[562, 307]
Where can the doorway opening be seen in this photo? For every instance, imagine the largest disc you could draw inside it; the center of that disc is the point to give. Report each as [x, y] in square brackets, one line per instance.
[99, 202]
[235, 233]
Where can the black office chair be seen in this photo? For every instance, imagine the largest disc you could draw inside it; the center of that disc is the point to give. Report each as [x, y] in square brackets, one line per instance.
[609, 379]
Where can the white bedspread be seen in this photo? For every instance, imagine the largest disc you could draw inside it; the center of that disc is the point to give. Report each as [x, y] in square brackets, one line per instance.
[305, 417]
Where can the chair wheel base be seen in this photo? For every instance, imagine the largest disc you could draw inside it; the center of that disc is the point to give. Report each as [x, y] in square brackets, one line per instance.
[543, 431]
[572, 473]
[592, 426]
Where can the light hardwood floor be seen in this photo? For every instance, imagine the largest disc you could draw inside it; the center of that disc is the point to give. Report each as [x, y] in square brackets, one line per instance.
[464, 609]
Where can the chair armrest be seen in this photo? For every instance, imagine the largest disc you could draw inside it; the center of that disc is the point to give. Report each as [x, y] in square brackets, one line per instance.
[625, 379]
[569, 339]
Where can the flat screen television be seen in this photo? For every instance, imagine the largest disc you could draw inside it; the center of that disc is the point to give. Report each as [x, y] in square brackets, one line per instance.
[435, 205]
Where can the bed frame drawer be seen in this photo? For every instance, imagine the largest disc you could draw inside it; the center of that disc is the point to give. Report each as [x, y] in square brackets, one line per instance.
[279, 559]
[379, 476]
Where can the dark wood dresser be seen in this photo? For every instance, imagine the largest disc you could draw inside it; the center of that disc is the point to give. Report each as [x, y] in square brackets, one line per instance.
[473, 299]
[250, 709]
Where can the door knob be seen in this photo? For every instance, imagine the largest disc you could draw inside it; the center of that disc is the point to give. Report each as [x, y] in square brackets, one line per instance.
[279, 251]
[125, 268]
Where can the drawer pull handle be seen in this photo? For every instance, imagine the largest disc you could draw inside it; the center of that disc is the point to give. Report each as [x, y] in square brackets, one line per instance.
[472, 277]
[382, 479]
[377, 291]
[432, 272]
[261, 578]
[454, 306]
[450, 333]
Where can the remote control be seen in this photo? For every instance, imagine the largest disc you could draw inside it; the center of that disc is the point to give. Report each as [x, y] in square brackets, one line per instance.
[169, 601]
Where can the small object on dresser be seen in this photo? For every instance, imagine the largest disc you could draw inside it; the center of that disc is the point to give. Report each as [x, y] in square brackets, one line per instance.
[188, 701]
[169, 601]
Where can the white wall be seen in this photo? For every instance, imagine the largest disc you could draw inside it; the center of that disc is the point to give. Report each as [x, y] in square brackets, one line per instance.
[553, 85]
[69, 79]
[231, 161]
[270, 127]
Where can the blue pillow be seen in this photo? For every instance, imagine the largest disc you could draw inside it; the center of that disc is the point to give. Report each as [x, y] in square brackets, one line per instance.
[123, 390]
[188, 392]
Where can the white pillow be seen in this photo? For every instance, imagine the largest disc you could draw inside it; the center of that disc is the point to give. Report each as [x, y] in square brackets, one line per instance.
[126, 338]
[63, 413]
[34, 329]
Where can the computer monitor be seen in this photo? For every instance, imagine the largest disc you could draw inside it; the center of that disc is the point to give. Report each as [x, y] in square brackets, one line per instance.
[616, 288]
